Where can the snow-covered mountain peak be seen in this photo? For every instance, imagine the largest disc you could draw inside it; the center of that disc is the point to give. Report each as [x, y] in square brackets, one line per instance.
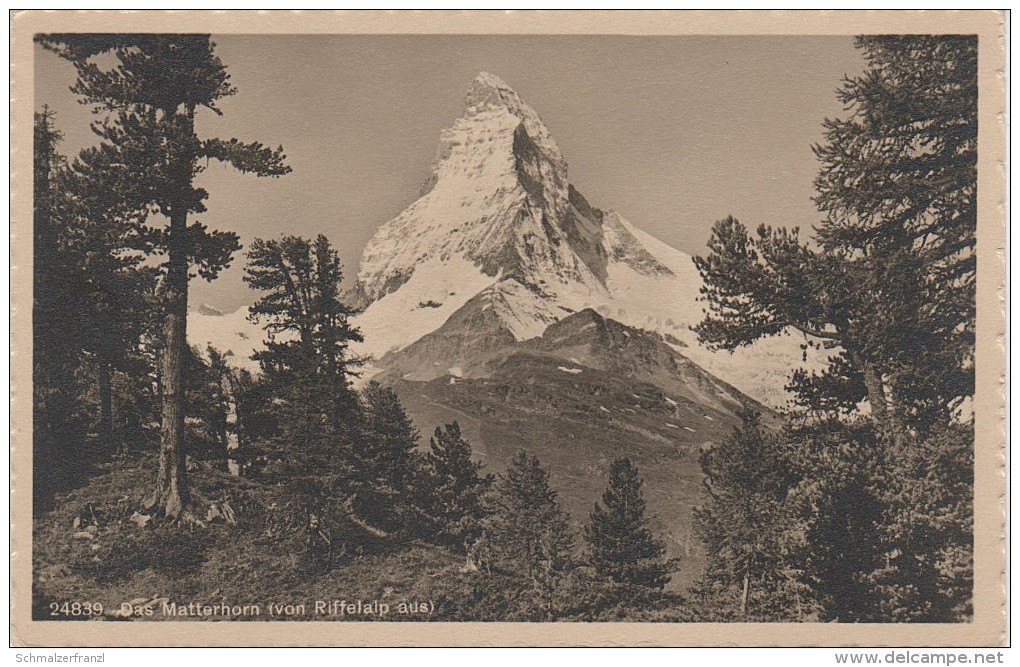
[498, 198]
[499, 246]
[489, 80]
[489, 92]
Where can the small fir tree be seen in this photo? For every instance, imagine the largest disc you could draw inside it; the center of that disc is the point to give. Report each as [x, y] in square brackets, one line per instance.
[620, 544]
[454, 488]
[307, 359]
[527, 533]
[308, 445]
[386, 463]
[747, 520]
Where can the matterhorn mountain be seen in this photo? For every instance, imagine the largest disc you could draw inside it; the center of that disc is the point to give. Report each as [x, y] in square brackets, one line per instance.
[504, 300]
[499, 229]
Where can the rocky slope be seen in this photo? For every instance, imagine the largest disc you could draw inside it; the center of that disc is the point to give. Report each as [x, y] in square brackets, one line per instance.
[500, 231]
[504, 300]
[587, 391]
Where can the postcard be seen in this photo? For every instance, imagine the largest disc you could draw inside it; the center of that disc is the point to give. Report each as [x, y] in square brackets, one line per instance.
[508, 328]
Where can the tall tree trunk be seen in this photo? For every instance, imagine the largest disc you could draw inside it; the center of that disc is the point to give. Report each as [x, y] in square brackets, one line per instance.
[105, 406]
[171, 494]
[744, 594]
[171, 485]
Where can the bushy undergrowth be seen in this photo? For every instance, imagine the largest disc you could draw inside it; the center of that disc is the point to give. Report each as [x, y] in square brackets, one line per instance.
[99, 545]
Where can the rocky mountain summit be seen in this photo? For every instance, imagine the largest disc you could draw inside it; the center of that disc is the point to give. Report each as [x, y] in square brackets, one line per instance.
[499, 245]
[501, 233]
[504, 300]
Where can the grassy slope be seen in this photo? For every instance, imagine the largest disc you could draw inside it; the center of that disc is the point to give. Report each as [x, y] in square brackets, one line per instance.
[250, 562]
[562, 418]
[214, 563]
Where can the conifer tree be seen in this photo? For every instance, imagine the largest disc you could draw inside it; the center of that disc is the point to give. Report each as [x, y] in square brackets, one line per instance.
[256, 422]
[620, 544]
[927, 530]
[306, 358]
[527, 533]
[306, 367]
[386, 464]
[747, 517]
[888, 523]
[57, 340]
[889, 285]
[92, 303]
[105, 240]
[455, 489]
[148, 89]
[840, 510]
[898, 186]
[761, 284]
[208, 405]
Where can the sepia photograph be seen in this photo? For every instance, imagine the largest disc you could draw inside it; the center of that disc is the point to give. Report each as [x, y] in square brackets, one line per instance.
[510, 329]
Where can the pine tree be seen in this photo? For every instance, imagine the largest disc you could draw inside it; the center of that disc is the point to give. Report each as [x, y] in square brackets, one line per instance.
[256, 421]
[888, 287]
[306, 356]
[208, 404]
[889, 284]
[149, 89]
[898, 185]
[454, 489]
[926, 492]
[930, 530]
[763, 284]
[307, 370]
[620, 544]
[105, 239]
[746, 521]
[527, 533]
[92, 302]
[386, 463]
[839, 508]
[57, 340]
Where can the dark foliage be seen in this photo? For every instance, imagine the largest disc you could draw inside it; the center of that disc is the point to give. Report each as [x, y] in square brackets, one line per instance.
[147, 99]
[310, 442]
[527, 534]
[748, 524]
[453, 489]
[890, 286]
[847, 504]
[386, 464]
[620, 544]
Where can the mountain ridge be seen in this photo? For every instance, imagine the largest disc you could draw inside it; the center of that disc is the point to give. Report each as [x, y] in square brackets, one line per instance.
[499, 220]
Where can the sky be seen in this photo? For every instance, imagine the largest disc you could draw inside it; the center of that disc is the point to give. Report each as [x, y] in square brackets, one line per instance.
[673, 133]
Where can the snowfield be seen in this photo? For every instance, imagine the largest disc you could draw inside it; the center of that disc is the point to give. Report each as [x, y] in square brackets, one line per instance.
[499, 220]
[397, 320]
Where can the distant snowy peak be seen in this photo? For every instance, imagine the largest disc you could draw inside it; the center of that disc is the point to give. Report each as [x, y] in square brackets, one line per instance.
[498, 197]
[488, 92]
[500, 242]
[499, 247]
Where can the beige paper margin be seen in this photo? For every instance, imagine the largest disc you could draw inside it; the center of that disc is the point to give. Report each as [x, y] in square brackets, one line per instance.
[988, 626]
